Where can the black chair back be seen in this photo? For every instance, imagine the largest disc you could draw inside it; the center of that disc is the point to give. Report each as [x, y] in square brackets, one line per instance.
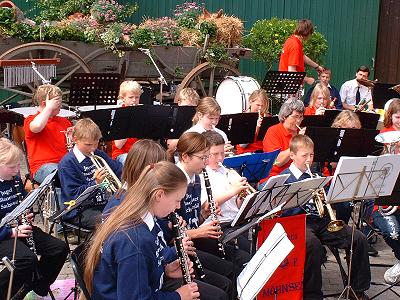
[78, 265]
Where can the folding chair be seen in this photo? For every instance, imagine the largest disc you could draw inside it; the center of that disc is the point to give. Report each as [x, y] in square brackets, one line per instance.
[77, 263]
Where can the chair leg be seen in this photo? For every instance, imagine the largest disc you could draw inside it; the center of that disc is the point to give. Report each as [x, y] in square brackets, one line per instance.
[51, 295]
[343, 273]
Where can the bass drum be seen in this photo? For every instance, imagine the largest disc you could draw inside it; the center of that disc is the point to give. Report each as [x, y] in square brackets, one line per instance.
[233, 94]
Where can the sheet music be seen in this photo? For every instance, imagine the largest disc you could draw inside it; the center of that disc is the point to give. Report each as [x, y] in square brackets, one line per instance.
[264, 263]
[384, 177]
[274, 186]
[245, 208]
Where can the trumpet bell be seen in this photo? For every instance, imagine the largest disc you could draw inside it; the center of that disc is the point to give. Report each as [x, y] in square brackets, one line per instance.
[335, 225]
[389, 137]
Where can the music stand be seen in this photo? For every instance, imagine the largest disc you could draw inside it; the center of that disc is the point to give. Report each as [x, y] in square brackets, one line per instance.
[264, 263]
[358, 178]
[266, 123]
[316, 121]
[238, 127]
[368, 120]
[94, 89]
[253, 166]
[280, 82]
[382, 92]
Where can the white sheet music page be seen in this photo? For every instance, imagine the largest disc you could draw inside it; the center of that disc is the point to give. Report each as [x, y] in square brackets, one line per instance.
[264, 263]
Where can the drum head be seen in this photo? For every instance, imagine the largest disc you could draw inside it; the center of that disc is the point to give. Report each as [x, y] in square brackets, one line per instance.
[233, 94]
[388, 137]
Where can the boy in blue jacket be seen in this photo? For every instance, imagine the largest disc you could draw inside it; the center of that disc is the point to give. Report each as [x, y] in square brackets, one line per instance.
[77, 172]
[302, 155]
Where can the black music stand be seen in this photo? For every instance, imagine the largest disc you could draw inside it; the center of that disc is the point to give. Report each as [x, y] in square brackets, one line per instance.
[266, 123]
[316, 121]
[283, 83]
[339, 142]
[368, 120]
[238, 127]
[253, 166]
[94, 89]
[382, 92]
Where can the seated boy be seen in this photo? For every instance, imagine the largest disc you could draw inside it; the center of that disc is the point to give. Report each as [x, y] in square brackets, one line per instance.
[129, 95]
[45, 132]
[302, 154]
[29, 273]
[77, 171]
[226, 185]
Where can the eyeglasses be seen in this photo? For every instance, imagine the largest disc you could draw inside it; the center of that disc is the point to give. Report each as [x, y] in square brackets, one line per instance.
[297, 117]
[203, 158]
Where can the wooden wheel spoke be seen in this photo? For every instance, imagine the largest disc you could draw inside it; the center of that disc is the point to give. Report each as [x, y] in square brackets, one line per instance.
[201, 85]
[211, 83]
[31, 87]
[68, 75]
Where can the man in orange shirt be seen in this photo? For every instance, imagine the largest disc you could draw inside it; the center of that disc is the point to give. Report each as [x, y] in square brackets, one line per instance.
[279, 136]
[293, 57]
[44, 132]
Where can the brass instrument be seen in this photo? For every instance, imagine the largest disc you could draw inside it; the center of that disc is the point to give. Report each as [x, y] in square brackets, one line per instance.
[369, 84]
[361, 105]
[68, 138]
[319, 198]
[396, 88]
[249, 189]
[111, 180]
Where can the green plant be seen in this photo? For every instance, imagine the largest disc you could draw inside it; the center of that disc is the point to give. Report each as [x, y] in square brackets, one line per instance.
[112, 36]
[142, 37]
[56, 10]
[165, 31]
[106, 11]
[6, 16]
[266, 39]
[216, 53]
[187, 14]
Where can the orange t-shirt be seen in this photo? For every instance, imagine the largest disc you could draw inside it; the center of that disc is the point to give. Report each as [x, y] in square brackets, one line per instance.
[125, 148]
[292, 55]
[252, 147]
[47, 146]
[277, 137]
[310, 111]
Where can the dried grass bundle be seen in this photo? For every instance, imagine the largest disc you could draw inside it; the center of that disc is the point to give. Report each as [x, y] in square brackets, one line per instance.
[190, 37]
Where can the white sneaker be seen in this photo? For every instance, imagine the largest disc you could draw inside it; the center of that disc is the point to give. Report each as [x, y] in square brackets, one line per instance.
[392, 275]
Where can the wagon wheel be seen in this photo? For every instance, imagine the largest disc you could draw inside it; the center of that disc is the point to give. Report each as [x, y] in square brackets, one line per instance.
[70, 63]
[206, 77]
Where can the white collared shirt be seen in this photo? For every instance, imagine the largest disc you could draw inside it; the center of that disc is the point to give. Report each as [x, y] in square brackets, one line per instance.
[295, 171]
[200, 129]
[78, 154]
[149, 220]
[349, 89]
[189, 179]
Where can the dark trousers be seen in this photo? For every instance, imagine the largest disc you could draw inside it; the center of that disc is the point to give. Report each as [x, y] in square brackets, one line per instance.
[317, 235]
[33, 273]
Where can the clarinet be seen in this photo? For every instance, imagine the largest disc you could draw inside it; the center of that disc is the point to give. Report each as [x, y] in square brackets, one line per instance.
[183, 256]
[213, 210]
[24, 220]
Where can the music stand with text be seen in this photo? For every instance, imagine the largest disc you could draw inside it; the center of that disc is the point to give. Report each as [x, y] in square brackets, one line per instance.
[94, 89]
[253, 166]
[368, 120]
[359, 178]
[238, 127]
[283, 83]
[266, 123]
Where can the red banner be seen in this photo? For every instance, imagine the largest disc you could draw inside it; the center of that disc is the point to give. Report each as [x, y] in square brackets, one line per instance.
[287, 280]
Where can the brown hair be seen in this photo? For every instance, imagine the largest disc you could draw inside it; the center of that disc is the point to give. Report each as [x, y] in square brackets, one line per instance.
[41, 93]
[327, 71]
[346, 119]
[191, 142]
[187, 95]
[213, 138]
[363, 69]
[138, 201]
[394, 108]
[320, 88]
[86, 129]
[260, 94]
[304, 28]
[9, 152]
[300, 140]
[141, 154]
[207, 106]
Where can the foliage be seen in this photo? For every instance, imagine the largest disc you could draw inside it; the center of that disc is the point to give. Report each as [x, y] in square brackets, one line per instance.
[266, 39]
[56, 10]
[114, 34]
[216, 53]
[165, 31]
[187, 14]
[142, 37]
[105, 11]
[6, 16]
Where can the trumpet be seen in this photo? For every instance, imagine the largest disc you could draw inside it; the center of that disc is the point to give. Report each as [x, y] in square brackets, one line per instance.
[319, 198]
[111, 180]
[249, 189]
[68, 138]
[361, 106]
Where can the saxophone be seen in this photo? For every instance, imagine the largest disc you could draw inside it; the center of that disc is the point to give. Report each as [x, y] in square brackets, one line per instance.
[24, 220]
[213, 210]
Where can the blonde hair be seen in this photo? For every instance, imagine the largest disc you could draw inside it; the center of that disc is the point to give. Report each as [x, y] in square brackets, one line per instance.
[86, 129]
[138, 201]
[346, 119]
[394, 108]
[41, 93]
[207, 106]
[299, 141]
[141, 154]
[319, 89]
[9, 152]
[260, 94]
[129, 86]
[187, 95]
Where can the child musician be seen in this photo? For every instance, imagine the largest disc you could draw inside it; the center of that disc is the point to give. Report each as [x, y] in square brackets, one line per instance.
[319, 100]
[123, 260]
[129, 95]
[77, 171]
[317, 235]
[45, 132]
[30, 274]
[258, 103]
[207, 117]
[226, 185]
[187, 97]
